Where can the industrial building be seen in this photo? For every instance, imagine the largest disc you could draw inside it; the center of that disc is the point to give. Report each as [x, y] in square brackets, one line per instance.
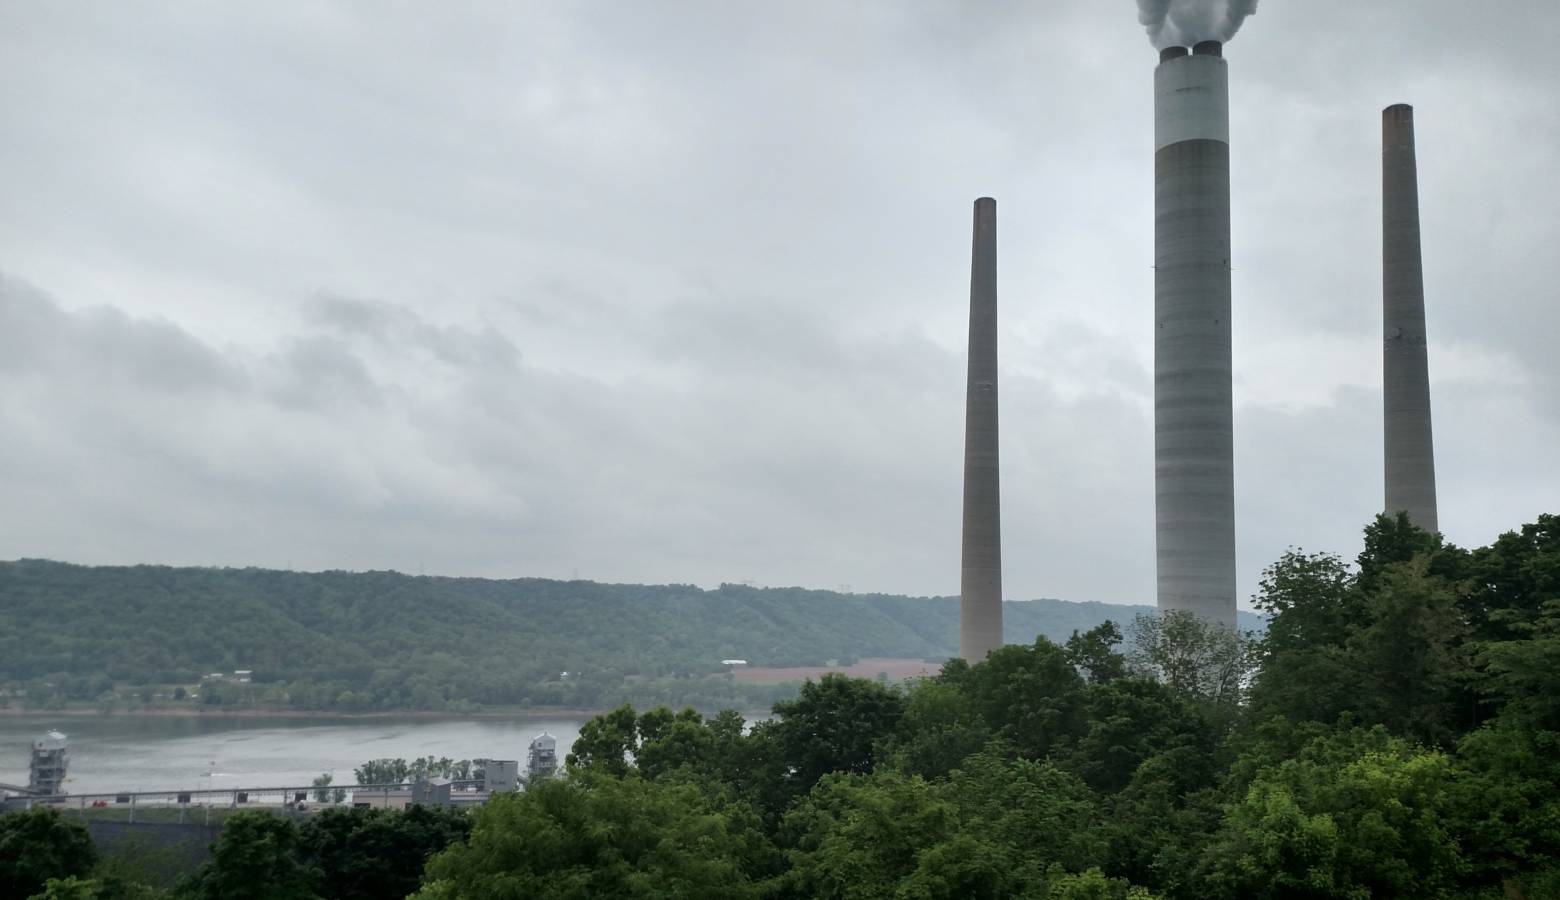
[541, 758]
[499, 776]
[48, 764]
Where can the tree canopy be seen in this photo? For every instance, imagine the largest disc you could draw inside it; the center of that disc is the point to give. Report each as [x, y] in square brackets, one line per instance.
[37, 845]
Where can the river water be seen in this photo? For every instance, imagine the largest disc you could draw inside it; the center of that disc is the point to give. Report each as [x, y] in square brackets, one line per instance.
[152, 753]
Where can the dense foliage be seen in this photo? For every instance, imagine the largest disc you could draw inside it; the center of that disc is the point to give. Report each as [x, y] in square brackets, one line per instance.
[336, 854]
[381, 640]
[37, 845]
[1395, 734]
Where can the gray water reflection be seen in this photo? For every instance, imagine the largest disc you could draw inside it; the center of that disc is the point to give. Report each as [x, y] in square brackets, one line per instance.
[112, 753]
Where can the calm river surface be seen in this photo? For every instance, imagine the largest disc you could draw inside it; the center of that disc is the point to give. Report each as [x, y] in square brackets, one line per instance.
[141, 753]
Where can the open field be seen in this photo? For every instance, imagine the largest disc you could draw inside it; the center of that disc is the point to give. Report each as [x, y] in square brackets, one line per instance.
[896, 668]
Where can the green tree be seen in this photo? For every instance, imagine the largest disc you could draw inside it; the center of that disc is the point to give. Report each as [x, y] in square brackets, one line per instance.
[71, 888]
[674, 742]
[605, 742]
[1029, 696]
[99, 888]
[1522, 674]
[1127, 720]
[1390, 645]
[962, 867]
[857, 836]
[1312, 603]
[1512, 579]
[1202, 661]
[1390, 540]
[322, 788]
[1160, 825]
[1093, 885]
[1274, 848]
[138, 866]
[996, 828]
[835, 724]
[939, 728]
[1409, 664]
[366, 854]
[1507, 811]
[1046, 816]
[37, 845]
[593, 835]
[1093, 652]
[1358, 814]
[382, 771]
[254, 858]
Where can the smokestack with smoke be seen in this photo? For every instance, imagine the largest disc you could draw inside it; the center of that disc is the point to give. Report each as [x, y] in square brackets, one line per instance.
[1182, 23]
[1194, 450]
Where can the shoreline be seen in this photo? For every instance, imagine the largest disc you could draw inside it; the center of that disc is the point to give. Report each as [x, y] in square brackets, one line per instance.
[157, 712]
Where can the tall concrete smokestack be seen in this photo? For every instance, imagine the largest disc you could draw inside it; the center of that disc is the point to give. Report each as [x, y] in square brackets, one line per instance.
[1410, 454]
[980, 583]
[1194, 445]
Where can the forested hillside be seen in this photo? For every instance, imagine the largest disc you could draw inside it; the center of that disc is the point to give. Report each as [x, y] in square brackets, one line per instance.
[379, 640]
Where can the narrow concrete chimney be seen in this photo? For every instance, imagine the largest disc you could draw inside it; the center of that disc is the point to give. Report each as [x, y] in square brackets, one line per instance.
[980, 584]
[1409, 448]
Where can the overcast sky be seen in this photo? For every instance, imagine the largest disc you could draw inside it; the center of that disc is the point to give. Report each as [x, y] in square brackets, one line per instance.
[678, 291]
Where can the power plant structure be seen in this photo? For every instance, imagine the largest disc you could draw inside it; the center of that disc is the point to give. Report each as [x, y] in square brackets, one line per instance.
[47, 765]
[1408, 444]
[541, 759]
[1194, 435]
[980, 581]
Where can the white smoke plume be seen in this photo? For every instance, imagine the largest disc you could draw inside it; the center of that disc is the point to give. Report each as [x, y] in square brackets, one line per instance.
[1182, 23]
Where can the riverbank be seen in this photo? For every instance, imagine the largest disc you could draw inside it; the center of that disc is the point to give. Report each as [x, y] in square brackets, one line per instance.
[138, 752]
[221, 712]
[398, 715]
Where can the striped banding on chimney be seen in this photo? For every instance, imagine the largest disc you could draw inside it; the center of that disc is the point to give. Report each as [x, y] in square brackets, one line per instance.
[1194, 455]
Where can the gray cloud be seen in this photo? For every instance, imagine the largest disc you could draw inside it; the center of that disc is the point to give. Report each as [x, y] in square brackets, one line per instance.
[677, 293]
